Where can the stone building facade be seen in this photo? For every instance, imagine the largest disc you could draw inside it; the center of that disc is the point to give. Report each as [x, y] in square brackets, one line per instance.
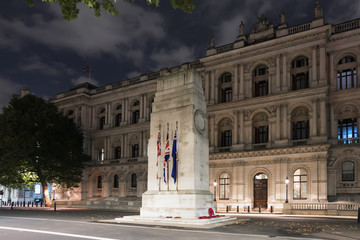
[282, 103]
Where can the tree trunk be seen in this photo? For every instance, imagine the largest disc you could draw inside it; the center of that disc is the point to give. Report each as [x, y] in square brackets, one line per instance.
[46, 195]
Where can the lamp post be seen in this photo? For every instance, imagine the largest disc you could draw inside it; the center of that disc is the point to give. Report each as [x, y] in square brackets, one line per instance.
[215, 183]
[287, 186]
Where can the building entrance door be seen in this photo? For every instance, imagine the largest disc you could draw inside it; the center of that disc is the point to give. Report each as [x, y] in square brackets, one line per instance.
[260, 190]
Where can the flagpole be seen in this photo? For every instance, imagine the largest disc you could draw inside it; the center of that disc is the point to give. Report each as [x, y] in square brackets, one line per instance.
[177, 159]
[157, 159]
[89, 73]
[167, 165]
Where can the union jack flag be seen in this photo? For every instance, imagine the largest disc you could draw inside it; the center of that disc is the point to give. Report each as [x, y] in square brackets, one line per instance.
[166, 158]
[158, 155]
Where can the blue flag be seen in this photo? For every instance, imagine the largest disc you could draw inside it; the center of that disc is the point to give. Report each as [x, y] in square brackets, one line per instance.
[173, 154]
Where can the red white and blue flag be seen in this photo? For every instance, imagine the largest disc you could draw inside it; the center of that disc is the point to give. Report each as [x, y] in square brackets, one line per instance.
[166, 158]
[158, 156]
[173, 154]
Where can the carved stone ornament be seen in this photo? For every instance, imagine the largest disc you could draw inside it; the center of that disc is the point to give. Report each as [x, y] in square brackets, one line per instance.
[260, 117]
[248, 114]
[99, 144]
[300, 112]
[199, 121]
[225, 123]
[272, 111]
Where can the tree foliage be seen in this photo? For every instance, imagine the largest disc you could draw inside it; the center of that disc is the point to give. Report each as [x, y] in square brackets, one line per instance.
[39, 144]
[70, 10]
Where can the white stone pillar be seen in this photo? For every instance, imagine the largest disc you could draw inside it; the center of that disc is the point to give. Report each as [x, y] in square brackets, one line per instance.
[236, 82]
[216, 136]
[277, 83]
[278, 125]
[242, 82]
[322, 65]
[236, 128]
[242, 127]
[323, 125]
[284, 80]
[213, 88]
[314, 118]
[314, 68]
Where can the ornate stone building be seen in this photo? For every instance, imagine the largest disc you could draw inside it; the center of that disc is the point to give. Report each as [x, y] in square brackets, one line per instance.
[282, 103]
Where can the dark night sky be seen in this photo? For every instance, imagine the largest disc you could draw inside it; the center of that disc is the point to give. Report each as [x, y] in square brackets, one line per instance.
[42, 52]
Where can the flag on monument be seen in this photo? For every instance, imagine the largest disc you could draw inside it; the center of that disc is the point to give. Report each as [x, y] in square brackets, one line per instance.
[173, 154]
[158, 156]
[167, 156]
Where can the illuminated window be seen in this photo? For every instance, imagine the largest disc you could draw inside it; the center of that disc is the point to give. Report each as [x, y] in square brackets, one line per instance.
[224, 186]
[300, 184]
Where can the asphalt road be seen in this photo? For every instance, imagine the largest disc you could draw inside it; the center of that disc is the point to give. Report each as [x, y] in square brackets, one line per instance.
[72, 224]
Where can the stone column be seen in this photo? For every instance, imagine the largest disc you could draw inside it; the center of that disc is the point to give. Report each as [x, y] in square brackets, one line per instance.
[145, 107]
[236, 128]
[323, 125]
[314, 118]
[212, 130]
[216, 90]
[108, 113]
[284, 80]
[241, 85]
[144, 144]
[285, 123]
[236, 83]
[278, 125]
[277, 83]
[126, 148]
[216, 136]
[322, 65]
[314, 68]
[141, 143]
[122, 145]
[333, 76]
[241, 127]
[123, 111]
[213, 88]
[333, 127]
[207, 86]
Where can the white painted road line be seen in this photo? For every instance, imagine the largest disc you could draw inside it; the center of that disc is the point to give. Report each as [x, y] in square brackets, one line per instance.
[55, 233]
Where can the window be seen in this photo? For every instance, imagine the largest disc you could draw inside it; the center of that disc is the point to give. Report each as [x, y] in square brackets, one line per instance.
[118, 119]
[118, 107]
[99, 182]
[346, 73]
[133, 180]
[101, 155]
[116, 181]
[261, 134]
[300, 73]
[101, 123]
[117, 153]
[225, 88]
[347, 171]
[347, 130]
[300, 130]
[136, 103]
[300, 184]
[135, 150]
[224, 186]
[136, 116]
[260, 81]
[102, 110]
[226, 138]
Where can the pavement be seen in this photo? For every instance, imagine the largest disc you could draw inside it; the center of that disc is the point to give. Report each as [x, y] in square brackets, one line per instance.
[261, 225]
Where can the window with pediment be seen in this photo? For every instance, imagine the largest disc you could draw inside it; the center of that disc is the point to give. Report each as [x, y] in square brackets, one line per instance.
[224, 185]
[348, 171]
[101, 117]
[225, 87]
[300, 184]
[118, 115]
[225, 128]
[300, 73]
[133, 180]
[260, 128]
[135, 109]
[260, 81]
[117, 152]
[347, 125]
[300, 123]
[346, 73]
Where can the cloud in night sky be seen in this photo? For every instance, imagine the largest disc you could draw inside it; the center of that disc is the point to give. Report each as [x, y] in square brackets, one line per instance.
[7, 89]
[83, 79]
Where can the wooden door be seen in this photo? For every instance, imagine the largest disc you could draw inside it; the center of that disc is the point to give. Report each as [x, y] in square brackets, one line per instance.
[260, 193]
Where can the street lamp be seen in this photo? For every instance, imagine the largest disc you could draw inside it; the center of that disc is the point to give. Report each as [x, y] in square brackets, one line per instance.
[287, 186]
[215, 183]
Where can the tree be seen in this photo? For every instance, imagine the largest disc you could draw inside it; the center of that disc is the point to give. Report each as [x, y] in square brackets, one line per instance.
[70, 10]
[39, 144]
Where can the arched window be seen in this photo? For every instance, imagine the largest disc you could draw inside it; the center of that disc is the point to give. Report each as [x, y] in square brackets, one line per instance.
[260, 81]
[135, 112]
[117, 152]
[225, 128]
[300, 73]
[225, 88]
[347, 131]
[151, 108]
[71, 115]
[224, 186]
[101, 154]
[133, 180]
[348, 171]
[118, 115]
[116, 181]
[300, 184]
[260, 129]
[346, 73]
[300, 123]
[99, 182]
[101, 117]
[135, 150]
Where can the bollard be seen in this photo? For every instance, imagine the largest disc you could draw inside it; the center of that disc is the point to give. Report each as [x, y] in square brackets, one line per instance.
[55, 207]
[237, 209]
[28, 204]
[271, 209]
[248, 209]
[12, 206]
[227, 208]
[359, 215]
[259, 209]
[32, 204]
[41, 204]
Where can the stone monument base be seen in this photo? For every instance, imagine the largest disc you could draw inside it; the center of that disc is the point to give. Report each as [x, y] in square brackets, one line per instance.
[185, 204]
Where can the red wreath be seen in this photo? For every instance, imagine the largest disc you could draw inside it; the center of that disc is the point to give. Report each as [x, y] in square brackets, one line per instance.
[211, 212]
